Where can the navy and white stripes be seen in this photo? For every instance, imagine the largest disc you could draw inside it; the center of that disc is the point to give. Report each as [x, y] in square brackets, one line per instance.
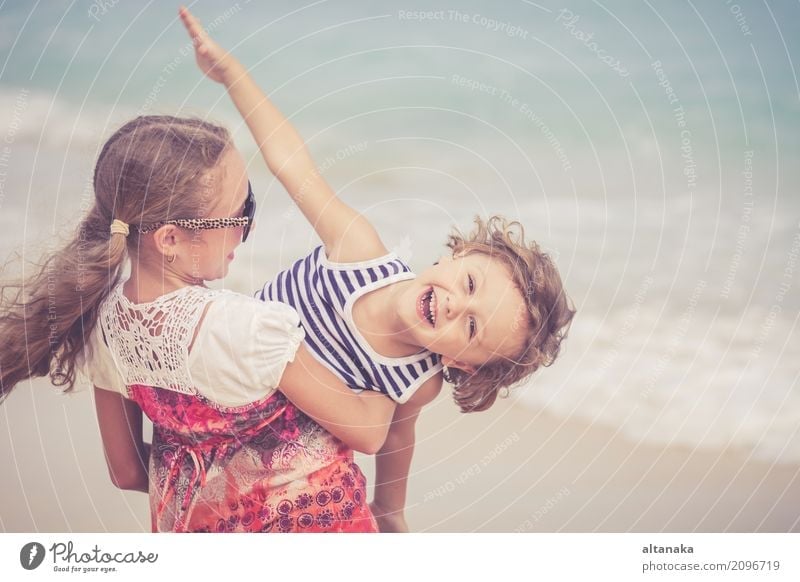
[323, 294]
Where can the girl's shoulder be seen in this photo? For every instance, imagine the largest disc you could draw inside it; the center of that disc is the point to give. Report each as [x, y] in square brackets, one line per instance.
[194, 304]
[241, 348]
[238, 313]
[226, 346]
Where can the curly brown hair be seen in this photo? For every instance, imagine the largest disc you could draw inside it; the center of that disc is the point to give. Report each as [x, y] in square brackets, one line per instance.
[150, 170]
[548, 316]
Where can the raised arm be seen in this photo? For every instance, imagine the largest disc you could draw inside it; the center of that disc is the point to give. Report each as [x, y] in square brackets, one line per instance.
[360, 420]
[346, 234]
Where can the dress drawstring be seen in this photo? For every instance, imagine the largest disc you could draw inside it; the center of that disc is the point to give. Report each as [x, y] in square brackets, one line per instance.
[198, 476]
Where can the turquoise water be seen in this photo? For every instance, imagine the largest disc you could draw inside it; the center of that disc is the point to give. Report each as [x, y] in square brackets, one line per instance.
[652, 148]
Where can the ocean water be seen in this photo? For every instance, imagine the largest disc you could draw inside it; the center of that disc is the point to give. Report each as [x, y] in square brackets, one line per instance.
[651, 148]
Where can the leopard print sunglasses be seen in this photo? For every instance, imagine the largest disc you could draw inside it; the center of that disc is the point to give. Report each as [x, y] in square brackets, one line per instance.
[246, 220]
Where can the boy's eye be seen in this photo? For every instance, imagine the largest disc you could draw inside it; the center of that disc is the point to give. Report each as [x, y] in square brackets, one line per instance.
[471, 284]
[472, 327]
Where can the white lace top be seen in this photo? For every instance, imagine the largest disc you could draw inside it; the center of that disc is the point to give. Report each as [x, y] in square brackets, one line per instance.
[238, 356]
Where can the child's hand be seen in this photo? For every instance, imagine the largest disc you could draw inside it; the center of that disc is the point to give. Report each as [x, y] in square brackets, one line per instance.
[388, 522]
[215, 62]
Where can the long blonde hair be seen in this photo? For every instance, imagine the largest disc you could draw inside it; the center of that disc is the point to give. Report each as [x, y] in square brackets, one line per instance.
[150, 170]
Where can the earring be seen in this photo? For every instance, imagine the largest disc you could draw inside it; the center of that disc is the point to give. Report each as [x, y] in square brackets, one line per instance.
[171, 259]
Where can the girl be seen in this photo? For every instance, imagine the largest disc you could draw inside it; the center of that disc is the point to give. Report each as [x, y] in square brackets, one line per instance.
[485, 317]
[231, 451]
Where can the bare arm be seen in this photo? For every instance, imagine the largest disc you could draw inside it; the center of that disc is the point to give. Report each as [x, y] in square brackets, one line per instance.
[346, 234]
[360, 420]
[393, 461]
[392, 464]
[127, 454]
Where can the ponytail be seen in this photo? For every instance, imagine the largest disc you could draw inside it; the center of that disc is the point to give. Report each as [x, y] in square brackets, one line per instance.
[46, 319]
[149, 171]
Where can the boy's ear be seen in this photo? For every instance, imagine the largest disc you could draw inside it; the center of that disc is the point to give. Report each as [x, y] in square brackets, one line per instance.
[452, 363]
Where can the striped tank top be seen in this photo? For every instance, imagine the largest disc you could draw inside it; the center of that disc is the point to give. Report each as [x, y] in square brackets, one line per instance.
[323, 293]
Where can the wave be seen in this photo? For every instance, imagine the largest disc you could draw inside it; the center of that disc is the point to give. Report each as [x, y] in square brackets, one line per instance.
[729, 381]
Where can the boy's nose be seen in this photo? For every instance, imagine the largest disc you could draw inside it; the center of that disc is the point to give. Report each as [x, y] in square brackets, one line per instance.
[455, 305]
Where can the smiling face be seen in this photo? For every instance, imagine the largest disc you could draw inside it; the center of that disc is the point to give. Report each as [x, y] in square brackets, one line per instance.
[467, 309]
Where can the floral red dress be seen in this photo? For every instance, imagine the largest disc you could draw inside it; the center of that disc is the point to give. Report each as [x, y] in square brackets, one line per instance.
[267, 467]
[258, 466]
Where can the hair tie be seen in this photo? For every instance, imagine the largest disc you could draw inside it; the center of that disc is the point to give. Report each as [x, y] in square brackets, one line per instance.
[119, 227]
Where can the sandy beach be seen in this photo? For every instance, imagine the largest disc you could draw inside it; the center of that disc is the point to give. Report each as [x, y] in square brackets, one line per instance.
[511, 469]
[663, 188]
[505, 470]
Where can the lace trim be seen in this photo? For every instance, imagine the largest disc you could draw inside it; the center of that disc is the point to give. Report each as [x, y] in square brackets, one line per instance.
[150, 341]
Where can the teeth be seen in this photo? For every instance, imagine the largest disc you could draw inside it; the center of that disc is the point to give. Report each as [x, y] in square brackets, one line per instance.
[430, 312]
